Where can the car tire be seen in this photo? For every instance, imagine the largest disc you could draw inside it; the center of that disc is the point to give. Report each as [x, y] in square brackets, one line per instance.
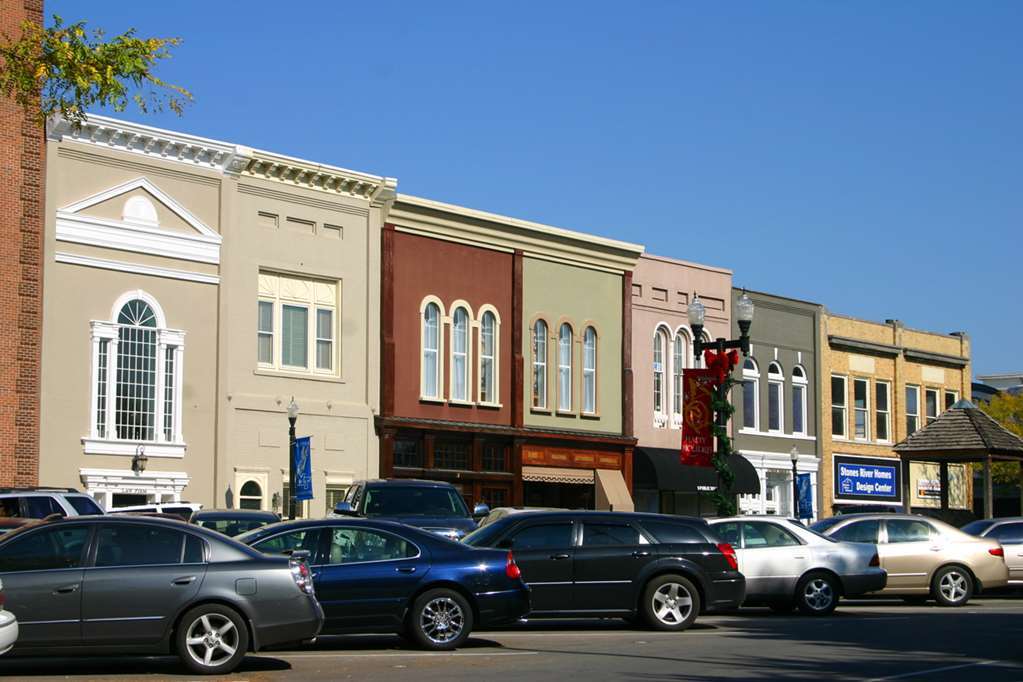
[211, 639]
[952, 586]
[670, 602]
[817, 594]
[439, 620]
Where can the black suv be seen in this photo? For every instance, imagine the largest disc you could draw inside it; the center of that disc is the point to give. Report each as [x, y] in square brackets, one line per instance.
[664, 570]
[434, 506]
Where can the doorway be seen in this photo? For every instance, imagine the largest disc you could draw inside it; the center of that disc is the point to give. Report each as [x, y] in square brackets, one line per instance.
[559, 495]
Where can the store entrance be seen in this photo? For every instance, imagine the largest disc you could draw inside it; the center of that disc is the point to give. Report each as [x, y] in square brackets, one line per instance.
[560, 495]
[129, 500]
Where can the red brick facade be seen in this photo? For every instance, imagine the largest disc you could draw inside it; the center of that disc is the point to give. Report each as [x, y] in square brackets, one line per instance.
[22, 160]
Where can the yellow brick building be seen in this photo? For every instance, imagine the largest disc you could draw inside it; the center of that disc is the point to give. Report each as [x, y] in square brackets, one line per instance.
[879, 383]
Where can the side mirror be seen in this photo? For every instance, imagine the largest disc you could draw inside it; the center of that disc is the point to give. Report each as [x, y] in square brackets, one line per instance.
[344, 509]
[480, 510]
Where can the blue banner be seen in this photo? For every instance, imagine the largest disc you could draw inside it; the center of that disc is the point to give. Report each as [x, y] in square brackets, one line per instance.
[303, 469]
[805, 496]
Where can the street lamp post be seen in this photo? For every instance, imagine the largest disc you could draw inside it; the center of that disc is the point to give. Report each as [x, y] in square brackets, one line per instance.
[292, 418]
[794, 456]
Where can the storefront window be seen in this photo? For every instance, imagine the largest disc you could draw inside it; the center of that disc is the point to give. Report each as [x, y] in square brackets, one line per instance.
[451, 455]
[407, 453]
[494, 458]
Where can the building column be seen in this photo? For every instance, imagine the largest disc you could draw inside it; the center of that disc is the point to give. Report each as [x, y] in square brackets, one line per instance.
[989, 501]
[516, 468]
[907, 503]
[387, 453]
[943, 481]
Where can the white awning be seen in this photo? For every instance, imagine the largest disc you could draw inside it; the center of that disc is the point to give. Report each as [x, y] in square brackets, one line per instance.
[557, 475]
[612, 493]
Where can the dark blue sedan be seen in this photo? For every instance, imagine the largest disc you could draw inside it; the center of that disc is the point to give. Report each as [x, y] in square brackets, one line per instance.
[381, 576]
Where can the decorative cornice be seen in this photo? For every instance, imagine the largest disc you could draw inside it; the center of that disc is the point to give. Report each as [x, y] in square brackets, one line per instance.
[857, 346]
[936, 358]
[311, 175]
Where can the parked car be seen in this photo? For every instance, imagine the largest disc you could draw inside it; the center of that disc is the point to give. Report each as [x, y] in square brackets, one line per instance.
[181, 509]
[136, 584]
[1008, 532]
[381, 576]
[38, 503]
[8, 625]
[501, 512]
[232, 522]
[924, 557]
[664, 570]
[7, 524]
[435, 506]
[788, 565]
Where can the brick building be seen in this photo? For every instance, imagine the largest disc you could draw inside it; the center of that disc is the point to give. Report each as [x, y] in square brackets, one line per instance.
[21, 221]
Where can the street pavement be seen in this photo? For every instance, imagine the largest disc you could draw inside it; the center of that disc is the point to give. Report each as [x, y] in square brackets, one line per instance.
[864, 640]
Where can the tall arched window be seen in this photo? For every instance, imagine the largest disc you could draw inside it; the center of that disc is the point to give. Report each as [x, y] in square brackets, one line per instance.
[540, 365]
[775, 398]
[136, 361]
[250, 496]
[590, 370]
[750, 394]
[460, 354]
[799, 384]
[677, 365]
[488, 358]
[431, 351]
[660, 408]
[565, 368]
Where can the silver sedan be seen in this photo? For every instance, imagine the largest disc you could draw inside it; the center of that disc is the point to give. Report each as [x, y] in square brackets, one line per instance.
[788, 565]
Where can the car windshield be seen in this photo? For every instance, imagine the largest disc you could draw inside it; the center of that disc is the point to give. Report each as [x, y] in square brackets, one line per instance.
[823, 525]
[977, 527]
[232, 527]
[811, 530]
[395, 500]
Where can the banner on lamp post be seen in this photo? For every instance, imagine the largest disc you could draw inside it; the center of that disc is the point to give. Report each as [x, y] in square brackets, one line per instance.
[698, 416]
[805, 486]
[303, 469]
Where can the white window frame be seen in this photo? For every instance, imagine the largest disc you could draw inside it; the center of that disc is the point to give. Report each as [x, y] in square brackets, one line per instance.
[310, 293]
[466, 385]
[886, 414]
[590, 373]
[751, 377]
[776, 381]
[915, 415]
[866, 409]
[563, 406]
[799, 380]
[438, 379]
[660, 392]
[937, 404]
[678, 366]
[541, 356]
[844, 407]
[495, 358]
[955, 398]
[169, 343]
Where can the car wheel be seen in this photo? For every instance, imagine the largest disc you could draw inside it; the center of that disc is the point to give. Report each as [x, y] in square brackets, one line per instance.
[952, 586]
[212, 639]
[817, 594]
[440, 620]
[670, 602]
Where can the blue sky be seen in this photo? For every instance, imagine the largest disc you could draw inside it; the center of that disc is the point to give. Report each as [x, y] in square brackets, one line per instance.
[865, 155]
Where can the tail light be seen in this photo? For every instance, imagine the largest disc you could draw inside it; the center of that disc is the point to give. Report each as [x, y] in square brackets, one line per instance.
[303, 578]
[729, 553]
[511, 569]
[875, 560]
[997, 551]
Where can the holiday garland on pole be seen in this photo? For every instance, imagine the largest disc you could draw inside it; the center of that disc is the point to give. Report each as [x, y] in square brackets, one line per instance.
[723, 363]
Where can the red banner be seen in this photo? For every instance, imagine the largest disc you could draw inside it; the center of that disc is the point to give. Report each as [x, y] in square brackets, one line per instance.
[698, 416]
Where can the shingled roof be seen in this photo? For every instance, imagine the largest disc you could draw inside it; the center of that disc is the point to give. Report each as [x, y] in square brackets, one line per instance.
[962, 432]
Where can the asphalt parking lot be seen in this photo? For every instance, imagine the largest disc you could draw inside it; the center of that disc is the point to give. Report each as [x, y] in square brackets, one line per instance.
[862, 641]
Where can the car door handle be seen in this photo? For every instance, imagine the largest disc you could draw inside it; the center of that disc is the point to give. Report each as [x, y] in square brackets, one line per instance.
[936, 548]
[559, 557]
[406, 569]
[640, 554]
[798, 556]
[184, 580]
[67, 589]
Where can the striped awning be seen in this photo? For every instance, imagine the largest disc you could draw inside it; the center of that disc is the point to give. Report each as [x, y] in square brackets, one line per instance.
[557, 475]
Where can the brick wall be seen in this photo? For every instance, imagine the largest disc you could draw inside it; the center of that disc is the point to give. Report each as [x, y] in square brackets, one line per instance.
[22, 149]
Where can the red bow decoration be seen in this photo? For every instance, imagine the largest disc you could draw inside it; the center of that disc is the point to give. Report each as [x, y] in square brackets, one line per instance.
[721, 363]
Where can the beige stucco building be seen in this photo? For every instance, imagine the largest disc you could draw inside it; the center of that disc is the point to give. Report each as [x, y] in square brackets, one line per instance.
[881, 382]
[193, 288]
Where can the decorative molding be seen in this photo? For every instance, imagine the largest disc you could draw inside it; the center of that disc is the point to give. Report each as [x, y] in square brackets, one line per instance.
[117, 480]
[137, 268]
[292, 198]
[953, 361]
[112, 234]
[289, 170]
[101, 446]
[855, 345]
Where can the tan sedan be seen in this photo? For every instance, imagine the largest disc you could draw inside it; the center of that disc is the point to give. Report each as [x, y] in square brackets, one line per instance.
[924, 557]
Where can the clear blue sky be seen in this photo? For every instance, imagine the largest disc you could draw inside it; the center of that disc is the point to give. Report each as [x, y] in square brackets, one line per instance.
[865, 155]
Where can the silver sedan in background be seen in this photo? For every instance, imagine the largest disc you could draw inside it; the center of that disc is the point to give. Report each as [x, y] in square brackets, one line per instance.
[788, 565]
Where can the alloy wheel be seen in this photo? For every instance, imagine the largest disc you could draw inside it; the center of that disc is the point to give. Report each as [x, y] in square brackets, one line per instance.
[672, 603]
[212, 639]
[953, 586]
[818, 594]
[442, 620]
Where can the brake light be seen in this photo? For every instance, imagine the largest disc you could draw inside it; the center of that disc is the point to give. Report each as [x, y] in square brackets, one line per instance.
[729, 553]
[303, 578]
[997, 551]
[875, 560]
[511, 569]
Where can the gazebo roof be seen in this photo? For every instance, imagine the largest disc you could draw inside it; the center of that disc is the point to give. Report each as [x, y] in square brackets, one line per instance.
[962, 432]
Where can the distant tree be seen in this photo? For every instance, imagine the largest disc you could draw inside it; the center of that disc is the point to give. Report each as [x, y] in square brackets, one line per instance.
[1007, 410]
[66, 70]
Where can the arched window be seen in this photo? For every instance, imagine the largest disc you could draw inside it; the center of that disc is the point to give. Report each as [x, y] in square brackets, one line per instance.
[138, 209]
[750, 394]
[775, 398]
[799, 400]
[460, 354]
[565, 368]
[660, 339]
[590, 370]
[250, 496]
[488, 358]
[431, 351]
[136, 362]
[678, 364]
[540, 365]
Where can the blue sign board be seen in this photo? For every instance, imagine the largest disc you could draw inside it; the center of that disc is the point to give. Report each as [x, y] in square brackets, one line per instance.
[805, 496]
[867, 479]
[303, 469]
